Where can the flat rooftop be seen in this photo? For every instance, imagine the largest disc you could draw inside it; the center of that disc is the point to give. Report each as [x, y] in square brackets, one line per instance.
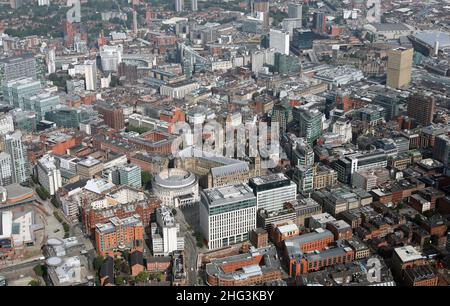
[408, 253]
[261, 180]
[225, 194]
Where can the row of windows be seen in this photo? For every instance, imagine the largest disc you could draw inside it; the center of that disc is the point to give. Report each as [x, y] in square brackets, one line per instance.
[328, 262]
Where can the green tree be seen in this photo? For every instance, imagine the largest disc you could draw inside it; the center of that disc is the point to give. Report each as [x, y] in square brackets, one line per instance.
[120, 280]
[146, 178]
[159, 277]
[174, 211]
[117, 263]
[126, 255]
[142, 277]
[41, 194]
[40, 270]
[137, 129]
[125, 267]
[55, 202]
[98, 261]
[34, 282]
[57, 216]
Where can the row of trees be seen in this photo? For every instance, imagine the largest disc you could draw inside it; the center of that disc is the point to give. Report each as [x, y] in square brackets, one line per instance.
[42, 193]
[137, 129]
[66, 226]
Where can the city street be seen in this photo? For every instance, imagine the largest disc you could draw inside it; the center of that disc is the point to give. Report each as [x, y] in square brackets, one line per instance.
[188, 219]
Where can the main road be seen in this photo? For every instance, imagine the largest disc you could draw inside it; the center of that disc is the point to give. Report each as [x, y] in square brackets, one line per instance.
[26, 264]
[190, 247]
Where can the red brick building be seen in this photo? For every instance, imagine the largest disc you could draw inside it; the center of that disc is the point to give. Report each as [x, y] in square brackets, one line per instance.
[282, 230]
[259, 237]
[316, 261]
[112, 115]
[119, 234]
[420, 276]
[122, 202]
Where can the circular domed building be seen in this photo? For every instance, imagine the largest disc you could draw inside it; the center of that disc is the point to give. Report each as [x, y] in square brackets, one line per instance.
[176, 187]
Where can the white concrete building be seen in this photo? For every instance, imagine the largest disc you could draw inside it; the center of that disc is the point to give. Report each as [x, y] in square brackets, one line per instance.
[178, 90]
[18, 152]
[279, 40]
[25, 233]
[344, 128]
[111, 57]
[43, 2]
[289, 24]
[227, 215]
[260, 58]
[179, 5]
[221, 65]
[49, 175]
[340, 75]
[176, 187]
[320, 220]
[69, 271]
[272, 191]
[6, 175]
[165, 233]
[6, 123]
[90, 75]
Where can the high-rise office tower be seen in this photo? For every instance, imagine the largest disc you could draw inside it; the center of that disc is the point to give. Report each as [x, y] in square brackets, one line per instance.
[51, 61]
[19, 162]
[15, 4]
[135, 23]
[261, 6]
[6, 123]
[399, 67]
[130, 175]
[194, 5]
[43, 2]
[421, 107]
[165, 237]
[319, 22]
[17, 67]
[179, 5]
[273, 191]
[294, 10]
[441, 149]
[290, 24]
[111, 57]
[49, 174]
[227, 215]
[112, 115]
[310, 122]
[5, 169]
[15, 91]
[41, 103]
[279, 40]
[90, 75]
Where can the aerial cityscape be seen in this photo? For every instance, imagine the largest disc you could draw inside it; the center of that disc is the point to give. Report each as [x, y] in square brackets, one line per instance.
[274, 143]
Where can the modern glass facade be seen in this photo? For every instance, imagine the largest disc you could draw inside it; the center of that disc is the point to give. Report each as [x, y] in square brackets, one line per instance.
[69, 118]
